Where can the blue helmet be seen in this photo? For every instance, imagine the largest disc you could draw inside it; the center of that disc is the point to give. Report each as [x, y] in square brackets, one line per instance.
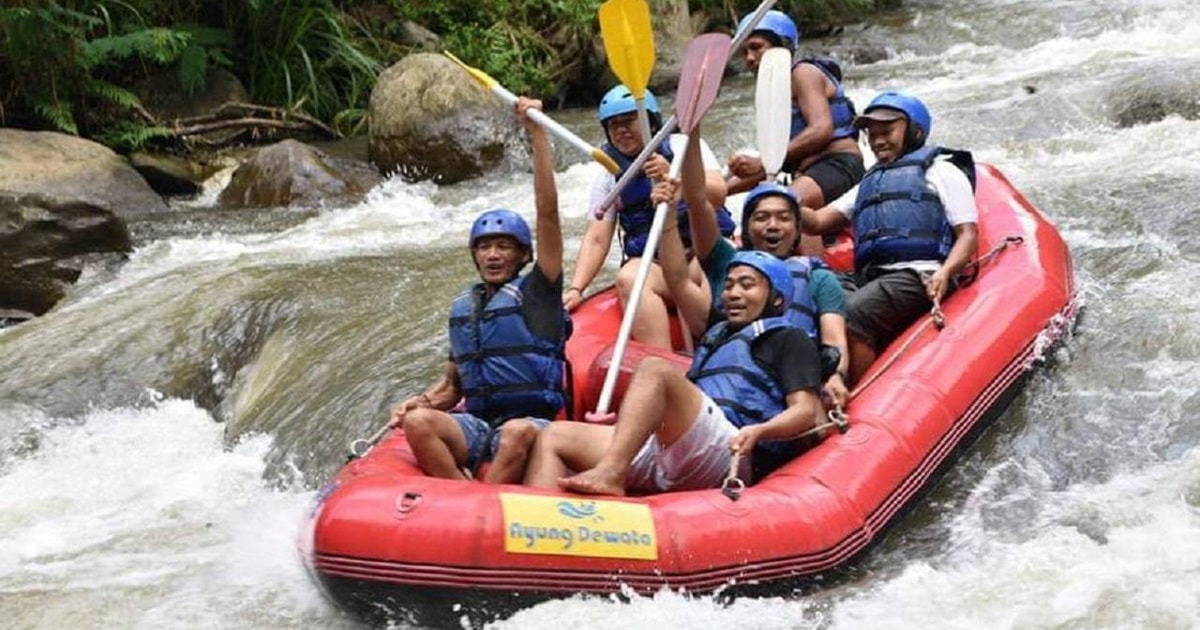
[756, 194]
[619, 100]
[501, 222]
[910, 106]
[780, 28]
[775, 270]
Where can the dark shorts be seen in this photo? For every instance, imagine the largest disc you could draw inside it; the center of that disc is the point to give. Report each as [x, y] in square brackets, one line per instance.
[477, 433]
[835, 174]
[878, 310]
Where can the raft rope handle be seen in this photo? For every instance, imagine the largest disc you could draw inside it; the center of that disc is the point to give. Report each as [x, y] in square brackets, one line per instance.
[733, 486]
[361, 446]
[964, 278]
[936, 315]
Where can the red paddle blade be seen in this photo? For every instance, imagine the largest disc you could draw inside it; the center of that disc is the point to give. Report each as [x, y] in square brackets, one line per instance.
[703, 67]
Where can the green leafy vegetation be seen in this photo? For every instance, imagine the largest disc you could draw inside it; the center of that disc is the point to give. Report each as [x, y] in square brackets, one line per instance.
[78, 66]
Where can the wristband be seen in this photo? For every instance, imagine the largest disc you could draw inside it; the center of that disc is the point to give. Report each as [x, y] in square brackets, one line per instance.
[574, 288]
[424, 398]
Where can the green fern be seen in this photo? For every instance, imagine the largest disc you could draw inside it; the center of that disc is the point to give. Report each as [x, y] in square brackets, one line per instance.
[57, 113]
[114, 94]
[127, 136]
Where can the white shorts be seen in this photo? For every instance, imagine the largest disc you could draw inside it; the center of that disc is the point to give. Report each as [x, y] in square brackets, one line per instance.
[698, 459]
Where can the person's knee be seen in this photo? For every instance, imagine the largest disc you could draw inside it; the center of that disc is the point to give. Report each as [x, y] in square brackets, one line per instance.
[517, 437]
[554, 439]
[419, 424]
[626, 276]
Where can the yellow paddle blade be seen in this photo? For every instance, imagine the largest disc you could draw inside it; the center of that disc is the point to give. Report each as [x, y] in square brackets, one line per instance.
[628, 42]
[482, 77]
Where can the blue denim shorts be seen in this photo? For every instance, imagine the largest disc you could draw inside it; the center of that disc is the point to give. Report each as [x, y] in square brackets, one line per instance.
[477, 433]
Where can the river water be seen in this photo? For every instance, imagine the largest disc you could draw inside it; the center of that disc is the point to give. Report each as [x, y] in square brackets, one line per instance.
[162, 431]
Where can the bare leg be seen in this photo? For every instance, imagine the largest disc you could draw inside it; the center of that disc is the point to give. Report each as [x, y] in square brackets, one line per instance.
[437, 441]
[660, 400]
[508, 464]
[562, 447]
[651, 325]
[862, 355]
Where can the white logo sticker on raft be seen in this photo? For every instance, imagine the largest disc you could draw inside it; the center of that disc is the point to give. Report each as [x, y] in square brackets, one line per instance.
[591, 528]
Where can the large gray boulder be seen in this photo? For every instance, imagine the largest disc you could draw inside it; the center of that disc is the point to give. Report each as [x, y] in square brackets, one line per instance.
[44, 243]
[289, 173]
[1150, 94]
[428, 119]
[69, 167]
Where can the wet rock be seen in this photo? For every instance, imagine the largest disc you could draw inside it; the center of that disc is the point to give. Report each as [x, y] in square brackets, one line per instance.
[44, 243]
[673, 31]
[429, 120]
[419, 37]
[1150, 96]
[288, 173]
[68, 167]
[170, 175]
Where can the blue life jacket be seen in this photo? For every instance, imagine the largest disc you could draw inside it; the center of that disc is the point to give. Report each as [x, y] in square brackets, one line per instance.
[898, 217]
[803, 311]
[637, 212]
[506, 370]
[841, 108]
[725, 370]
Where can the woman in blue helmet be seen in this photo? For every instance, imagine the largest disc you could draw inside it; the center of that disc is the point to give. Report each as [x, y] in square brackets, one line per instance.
[507, 336]
[915, 225]
[634, 212]
[823, 154]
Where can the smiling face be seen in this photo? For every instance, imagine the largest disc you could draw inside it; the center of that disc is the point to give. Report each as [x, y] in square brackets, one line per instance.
[886, 138]
[772, 226]
[498, 258]
[745, 295]
[753, 49]
[624, 134]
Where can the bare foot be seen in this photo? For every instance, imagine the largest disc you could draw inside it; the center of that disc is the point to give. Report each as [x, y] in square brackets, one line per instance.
[594, 481]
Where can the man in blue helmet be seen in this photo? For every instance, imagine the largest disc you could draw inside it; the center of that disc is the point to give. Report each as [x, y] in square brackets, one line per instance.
[507, 335]
[752, 387]
[771, 223]
[823, 154]
[915, 225]
[634, 212]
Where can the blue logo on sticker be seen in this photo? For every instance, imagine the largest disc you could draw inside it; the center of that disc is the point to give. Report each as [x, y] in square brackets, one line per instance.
[581, 510]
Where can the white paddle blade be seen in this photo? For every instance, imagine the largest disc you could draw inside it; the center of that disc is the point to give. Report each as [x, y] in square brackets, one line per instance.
[773, 108]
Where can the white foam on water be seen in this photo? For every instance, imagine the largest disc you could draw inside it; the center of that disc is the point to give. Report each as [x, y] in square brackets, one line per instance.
[144, 518]
[1120, 554]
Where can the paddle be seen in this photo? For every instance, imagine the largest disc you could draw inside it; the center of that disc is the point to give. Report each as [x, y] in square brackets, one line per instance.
[629, 45]
[538, 116]
[703, 66]
[669, 125]
[773, 109]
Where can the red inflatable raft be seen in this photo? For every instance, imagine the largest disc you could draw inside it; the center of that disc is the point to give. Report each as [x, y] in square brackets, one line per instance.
[384, 538]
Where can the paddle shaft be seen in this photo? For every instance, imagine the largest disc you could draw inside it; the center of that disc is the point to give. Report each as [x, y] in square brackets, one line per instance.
[538, 116]
[671, 123]
[639, 284]
[703, 67]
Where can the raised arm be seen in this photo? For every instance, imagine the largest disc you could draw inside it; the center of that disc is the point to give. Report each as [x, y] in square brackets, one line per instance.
[692, 300]
[702, 216]
[549, 257]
